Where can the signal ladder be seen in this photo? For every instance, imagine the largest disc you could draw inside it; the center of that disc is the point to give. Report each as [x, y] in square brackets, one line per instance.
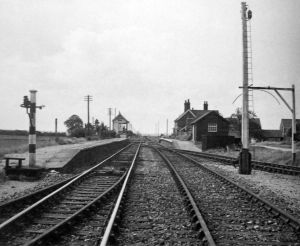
[250, 66]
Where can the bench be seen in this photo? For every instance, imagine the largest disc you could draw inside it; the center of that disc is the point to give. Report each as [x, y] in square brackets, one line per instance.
[7, 159]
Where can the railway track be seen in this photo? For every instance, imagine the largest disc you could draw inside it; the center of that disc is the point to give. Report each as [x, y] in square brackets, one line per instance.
[157, 197]
[12, 207]
[234, 215]
[62, 216]
[156, 209]
[258, 165]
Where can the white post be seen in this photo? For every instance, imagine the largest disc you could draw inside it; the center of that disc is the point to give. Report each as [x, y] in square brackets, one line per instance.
[32, 133]
[245, 157]
[167, 132]
[245, 115]
[293, 125]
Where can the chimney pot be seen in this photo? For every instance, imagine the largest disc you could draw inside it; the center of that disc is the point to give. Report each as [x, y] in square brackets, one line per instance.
[205, 105]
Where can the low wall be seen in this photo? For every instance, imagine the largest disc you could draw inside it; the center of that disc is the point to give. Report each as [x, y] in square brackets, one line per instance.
[88, 157]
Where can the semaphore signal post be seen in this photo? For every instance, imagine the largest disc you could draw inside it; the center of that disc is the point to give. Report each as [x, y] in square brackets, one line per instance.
[31, 106]
[245, 156]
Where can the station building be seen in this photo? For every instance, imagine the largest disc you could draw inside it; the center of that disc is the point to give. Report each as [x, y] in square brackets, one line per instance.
[194, 123]
[120, 124]
[286, 126]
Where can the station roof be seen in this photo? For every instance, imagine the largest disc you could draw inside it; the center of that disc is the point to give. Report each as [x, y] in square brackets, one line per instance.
[205, 113]
[120, 117]
[196, 113]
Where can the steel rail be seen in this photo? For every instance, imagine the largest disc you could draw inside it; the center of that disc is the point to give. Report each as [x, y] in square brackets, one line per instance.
[39, 192]
[38, 203]
[68, 221]
[286, 218]
[194, 211]
[113, 216]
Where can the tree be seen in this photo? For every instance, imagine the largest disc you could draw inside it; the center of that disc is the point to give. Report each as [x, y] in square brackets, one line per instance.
[74, 126]
[254, 125]
[238, 114]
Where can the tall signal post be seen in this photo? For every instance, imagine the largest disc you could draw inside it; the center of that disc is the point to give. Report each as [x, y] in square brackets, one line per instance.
[245, 156]
[88, 99]
[31, 107]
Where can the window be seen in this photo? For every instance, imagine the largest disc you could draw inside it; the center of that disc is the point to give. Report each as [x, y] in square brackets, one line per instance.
[212, 127]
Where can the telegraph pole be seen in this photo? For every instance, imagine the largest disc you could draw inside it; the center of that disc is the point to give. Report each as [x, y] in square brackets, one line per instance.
[167, 132]
[109, 114]
[55, 128]
[245, 156]
[88, 98]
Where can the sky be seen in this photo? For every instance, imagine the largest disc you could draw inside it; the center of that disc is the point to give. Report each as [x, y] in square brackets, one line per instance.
[143, 58]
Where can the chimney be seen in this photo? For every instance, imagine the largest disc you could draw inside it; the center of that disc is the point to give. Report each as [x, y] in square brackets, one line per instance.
[187, 105]
[205, 105]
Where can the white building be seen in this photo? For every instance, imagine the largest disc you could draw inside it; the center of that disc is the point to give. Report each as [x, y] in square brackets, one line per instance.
[120, 124]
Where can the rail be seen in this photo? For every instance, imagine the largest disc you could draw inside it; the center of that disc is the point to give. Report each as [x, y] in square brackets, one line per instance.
[40, 202]
[113, 216]
[287, 218]
[197, 218]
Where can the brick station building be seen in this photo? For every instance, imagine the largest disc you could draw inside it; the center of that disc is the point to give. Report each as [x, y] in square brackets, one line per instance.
[194, 123]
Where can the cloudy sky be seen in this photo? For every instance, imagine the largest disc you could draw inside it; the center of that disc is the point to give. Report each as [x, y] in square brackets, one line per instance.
[142, 57]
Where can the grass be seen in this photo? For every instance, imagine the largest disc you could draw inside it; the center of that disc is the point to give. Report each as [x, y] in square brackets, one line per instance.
[273, 156]
[264, 154]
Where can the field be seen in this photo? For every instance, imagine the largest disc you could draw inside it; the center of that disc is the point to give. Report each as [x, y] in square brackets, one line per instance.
[19, 144]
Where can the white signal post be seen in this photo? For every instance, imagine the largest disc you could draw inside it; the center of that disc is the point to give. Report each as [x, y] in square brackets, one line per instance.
[32, 129]
[245, 157]
[31, 106]
[294, 125]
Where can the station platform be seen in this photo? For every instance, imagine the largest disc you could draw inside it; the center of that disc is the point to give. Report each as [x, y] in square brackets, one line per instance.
[179, 144]
[185, 145]
[56, 157]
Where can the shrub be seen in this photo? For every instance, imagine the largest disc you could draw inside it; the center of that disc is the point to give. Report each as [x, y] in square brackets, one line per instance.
[78, 133]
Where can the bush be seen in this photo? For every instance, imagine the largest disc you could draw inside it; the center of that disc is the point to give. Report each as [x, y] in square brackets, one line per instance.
[78, 133]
